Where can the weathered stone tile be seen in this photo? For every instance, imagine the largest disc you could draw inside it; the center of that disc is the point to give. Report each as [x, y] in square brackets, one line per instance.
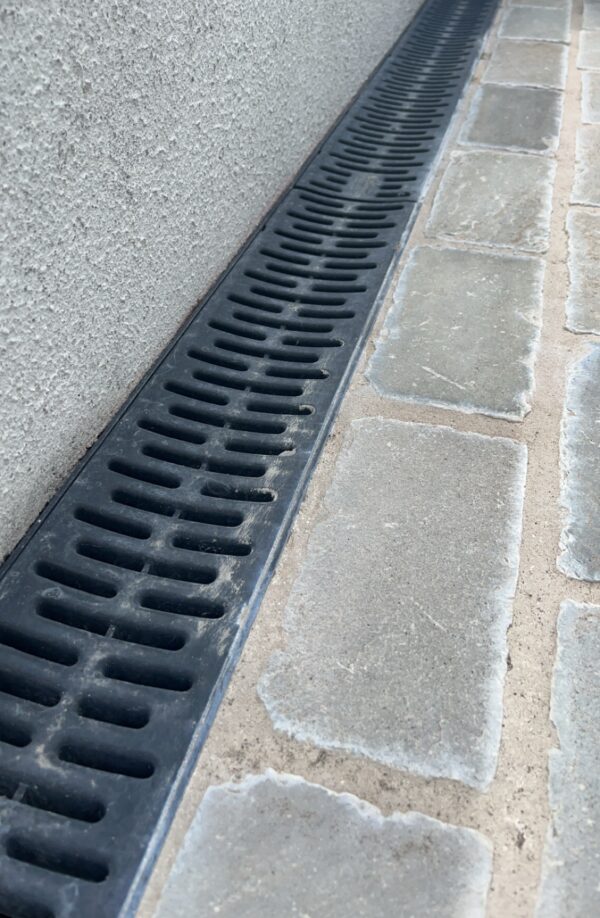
[569, 886]
[528, 63]
[537, 23]
[580, 448]
[396, 625]
[589, 51]
[462, 332]
[583, 303]
[276, 845]
[514, 117]
[591, 14]
[500, 199]
[586, 186]
[590, 103]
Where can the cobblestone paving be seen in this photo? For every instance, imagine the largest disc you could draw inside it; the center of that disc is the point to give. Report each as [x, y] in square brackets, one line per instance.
[256, 849]
[422, 685]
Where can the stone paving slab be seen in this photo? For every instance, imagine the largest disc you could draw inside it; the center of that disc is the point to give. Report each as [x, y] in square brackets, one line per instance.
[396, 626]
[275, 845]
[586, 186]
[528, 63]
[580, 449]
[583, 303]
[462, 332]
[591, 14]
[537, 23]
[590, 101]
[497, 199]
[570, 887]
[589, 51]
[514, 118]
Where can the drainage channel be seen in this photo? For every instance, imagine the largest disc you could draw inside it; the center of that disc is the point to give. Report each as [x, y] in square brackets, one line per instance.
[123, 613]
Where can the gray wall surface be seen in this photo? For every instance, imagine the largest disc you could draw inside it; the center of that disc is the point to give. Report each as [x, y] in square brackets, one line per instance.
[142, 142]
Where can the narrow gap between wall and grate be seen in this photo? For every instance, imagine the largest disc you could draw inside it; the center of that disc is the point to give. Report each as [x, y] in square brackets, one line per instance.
[123, 614]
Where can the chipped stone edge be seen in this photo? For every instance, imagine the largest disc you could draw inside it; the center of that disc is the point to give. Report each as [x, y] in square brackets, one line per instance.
[570, 612]
[480, 775]
[525, 396]
[566, 561]
[537, 248]
[367, 811]
[480, 846]
[549, 150]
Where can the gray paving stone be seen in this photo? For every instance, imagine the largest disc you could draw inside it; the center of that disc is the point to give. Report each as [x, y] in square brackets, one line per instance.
[571, 866]
[396, 626]
[589, 51]
[536, 22]
[499, 199]
[462, 332]
[275, 846]
[528, 63]
[580, 494]
[586, 186]
[514, 118]
[590, 102]
[591, 14]
[583, 303]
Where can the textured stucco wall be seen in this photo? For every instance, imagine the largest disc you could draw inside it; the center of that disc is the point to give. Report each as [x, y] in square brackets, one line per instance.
[142, 140]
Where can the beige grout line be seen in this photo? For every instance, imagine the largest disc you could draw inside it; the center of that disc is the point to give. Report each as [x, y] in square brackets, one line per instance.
[514, 813]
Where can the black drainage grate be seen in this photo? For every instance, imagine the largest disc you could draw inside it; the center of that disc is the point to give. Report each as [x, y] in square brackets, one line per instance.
[124, 612]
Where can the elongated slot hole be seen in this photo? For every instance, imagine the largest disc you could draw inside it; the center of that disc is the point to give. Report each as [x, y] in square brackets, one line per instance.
[56, 860]
[259, 447]
[211, 546]
[179, 605]
[172, 431]
[235, 467]
[64, 802]
[13, 734]
[75, 580]
[212, 517]
[174, 456]
[107, 711]
[186, 573]
[42, 648]
[152, 676]
[103, 758]
[111, 554]
[112, 523]
[19, 906]
[151, 476]
[141, 502]
[198, 394]
[228, 492]
[20, 686]
[217, 361]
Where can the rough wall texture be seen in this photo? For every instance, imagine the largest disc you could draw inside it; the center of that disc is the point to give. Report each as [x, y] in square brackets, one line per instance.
[142, 142]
